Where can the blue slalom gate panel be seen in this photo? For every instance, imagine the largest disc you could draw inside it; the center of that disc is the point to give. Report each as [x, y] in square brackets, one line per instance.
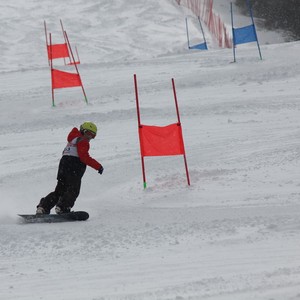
[244, 35]
[202, 46]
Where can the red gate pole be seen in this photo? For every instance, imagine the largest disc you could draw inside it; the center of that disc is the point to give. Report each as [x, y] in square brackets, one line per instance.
[76, 67]
[51, 66]
[78, 59]
[179, 124]
[63, 32]
[140, 126]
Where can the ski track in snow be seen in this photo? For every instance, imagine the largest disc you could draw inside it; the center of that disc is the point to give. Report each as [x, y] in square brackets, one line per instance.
[232, 235]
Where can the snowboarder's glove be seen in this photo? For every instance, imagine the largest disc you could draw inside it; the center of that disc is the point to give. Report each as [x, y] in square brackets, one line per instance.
[100, 171]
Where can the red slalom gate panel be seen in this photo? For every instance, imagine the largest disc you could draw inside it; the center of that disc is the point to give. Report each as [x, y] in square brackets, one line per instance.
[61, 79]
[160, 140]
[58, 51]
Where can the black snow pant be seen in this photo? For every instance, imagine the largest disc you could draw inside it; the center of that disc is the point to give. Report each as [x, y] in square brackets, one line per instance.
[70, 172]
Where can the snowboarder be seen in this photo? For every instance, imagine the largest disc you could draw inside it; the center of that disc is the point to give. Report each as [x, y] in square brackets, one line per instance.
[72, 166]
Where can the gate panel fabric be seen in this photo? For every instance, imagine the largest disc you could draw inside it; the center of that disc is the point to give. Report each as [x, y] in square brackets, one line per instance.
[202, 46]
[58, 51]
[244, 35]
[62, 79]
[161, 141]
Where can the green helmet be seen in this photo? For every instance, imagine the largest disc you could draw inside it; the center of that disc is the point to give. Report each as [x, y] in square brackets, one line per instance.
[88, 126]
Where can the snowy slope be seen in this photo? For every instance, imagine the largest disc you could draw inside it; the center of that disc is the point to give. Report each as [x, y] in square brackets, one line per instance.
[233, 234]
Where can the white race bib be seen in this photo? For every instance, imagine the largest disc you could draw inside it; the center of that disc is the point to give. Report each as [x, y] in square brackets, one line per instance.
[71, 148]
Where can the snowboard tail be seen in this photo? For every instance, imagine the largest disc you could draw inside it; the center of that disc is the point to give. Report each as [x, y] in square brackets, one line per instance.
[53, 218]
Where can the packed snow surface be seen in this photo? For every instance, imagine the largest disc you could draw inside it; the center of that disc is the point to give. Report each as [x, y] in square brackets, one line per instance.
[232, 235]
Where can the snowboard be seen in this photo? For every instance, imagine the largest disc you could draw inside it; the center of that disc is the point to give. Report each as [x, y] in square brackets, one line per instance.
[53, 218]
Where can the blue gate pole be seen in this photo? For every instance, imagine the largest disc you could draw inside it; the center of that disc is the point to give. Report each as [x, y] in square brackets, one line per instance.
[187, 32]
[251, 15]
[233, 38]
[202, 31]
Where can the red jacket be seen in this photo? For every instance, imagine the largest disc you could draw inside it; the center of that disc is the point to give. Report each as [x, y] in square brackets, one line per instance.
[83, 147]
